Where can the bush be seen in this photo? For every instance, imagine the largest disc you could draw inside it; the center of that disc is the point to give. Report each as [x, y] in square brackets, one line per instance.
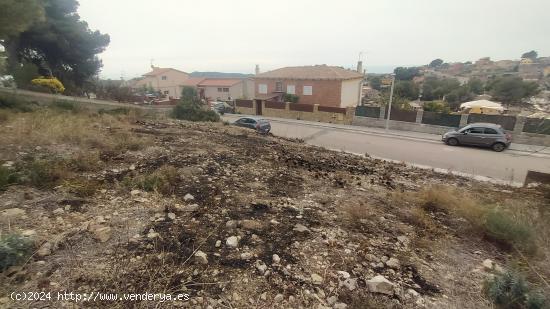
[41, 174]
[507, 230]
[7, 177]
[51, 83]
[8, 101]
[14, 249]
[66, 105]
[291, 98]
[162, 180]
[188, 110]
[510, 290]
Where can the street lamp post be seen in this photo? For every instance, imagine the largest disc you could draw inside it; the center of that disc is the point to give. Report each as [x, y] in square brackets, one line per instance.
[391, 99]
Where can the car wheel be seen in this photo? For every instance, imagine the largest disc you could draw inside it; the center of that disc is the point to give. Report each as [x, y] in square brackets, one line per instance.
[452, 142]
[498, 147]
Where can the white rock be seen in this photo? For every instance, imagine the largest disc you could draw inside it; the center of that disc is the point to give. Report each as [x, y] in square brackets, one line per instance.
[340, 306]
[276, 259]
[412, 292]
[316, 279]
[403, 239]
[201, 257]
[231, 224]
[350, 284]
[490, 265]
[218, 243]
[12, 213]
[393, 263]
[380, 284]
[332, 300]
[28, 233]
[343, 274]
[45, 249]
[246, 256]
[261, 267]
[188, 197]
[152, 234]
[102, 234]
[263, 296]
[171, 216]
[135, 192]
[300, 228]
[232, 242]
[190, 208]
[278, 298]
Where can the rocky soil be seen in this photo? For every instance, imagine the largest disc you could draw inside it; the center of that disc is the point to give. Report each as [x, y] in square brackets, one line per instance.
[245, 221]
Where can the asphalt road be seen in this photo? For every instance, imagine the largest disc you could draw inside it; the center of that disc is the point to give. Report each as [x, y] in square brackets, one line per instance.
[510, 166]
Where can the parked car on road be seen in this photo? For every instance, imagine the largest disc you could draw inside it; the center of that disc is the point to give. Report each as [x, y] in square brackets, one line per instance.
[221, 107]
[479, 134]
[259, 124]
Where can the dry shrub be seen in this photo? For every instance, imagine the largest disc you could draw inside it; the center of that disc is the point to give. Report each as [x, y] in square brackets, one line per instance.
[162, 180]
[84, 129]
[506, 225]
[82, 187]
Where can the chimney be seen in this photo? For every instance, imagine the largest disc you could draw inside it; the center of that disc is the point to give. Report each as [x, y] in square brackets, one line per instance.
[257, 71]
[360, 67]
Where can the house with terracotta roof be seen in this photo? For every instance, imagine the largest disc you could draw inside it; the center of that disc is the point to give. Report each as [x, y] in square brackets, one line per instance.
[167, 81]
[225, 88]
[318, 84]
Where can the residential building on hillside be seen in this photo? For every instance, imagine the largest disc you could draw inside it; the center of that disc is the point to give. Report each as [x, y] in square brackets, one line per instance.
[225, 88]
[167, 81]
[318, 84]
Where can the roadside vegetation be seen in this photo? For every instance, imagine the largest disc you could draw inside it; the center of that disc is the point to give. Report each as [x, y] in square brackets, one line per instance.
[190, 108]
[77, 139]
[521, 229]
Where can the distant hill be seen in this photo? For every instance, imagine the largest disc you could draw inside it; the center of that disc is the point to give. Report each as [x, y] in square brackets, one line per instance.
[220, 75]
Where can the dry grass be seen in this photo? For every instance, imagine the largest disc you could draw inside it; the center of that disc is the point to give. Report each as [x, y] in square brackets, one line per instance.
[84, 129]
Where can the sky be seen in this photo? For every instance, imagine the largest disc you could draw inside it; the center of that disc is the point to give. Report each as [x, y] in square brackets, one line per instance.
[235, 35]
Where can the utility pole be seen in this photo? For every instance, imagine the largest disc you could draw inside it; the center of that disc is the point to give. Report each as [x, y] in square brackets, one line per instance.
[389, 105]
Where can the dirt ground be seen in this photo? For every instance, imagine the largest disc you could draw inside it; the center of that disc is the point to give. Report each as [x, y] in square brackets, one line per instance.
[234, 219]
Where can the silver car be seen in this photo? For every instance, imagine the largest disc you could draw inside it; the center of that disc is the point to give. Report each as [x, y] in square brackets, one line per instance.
[479, 134]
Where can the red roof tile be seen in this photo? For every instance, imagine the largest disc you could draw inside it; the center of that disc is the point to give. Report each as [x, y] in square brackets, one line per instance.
[312, 72]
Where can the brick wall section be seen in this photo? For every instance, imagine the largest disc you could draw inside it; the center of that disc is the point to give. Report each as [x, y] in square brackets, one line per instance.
[325, 92]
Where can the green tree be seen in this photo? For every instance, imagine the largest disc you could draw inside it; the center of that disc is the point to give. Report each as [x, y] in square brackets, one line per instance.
[531, 55]
[61, 45]
[475, 85]
[375, 82]
[402, 73]
[435, 63]
[511, 90]
[406, 89]
[17, 16]
[436, 106]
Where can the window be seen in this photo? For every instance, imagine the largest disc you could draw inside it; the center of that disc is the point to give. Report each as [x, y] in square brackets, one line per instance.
[220, 89]
[475, 130]
[490, 131]
[164, 78]
[279, 87]
[308, 90]
[262, 88]
[225, 89]
[290, 89]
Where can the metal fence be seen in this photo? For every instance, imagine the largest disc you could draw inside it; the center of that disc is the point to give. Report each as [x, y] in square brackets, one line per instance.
[244, 103]
[301, 107]
[440, 119]
[276, 105]
[402, 115]
[331, 109]
[537, 125]
[367, 111]
[507, 122]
